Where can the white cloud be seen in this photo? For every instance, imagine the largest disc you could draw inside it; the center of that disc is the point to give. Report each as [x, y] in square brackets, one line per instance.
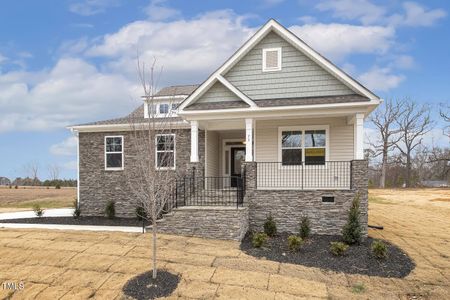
[187, 49]
[416, 15]
[404, 62]
[71, 91]
[337, 41]
[363, 10]
[65, 148]
[157, 11]
[368, 13]
[381, 79]
[92, 7]
[307, 19]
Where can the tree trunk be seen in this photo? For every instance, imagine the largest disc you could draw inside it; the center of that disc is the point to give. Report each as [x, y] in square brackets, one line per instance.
[408, 170]
[154, 217]
[383, 170]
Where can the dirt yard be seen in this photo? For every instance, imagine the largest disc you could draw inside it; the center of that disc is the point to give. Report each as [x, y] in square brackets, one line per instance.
[80, 265]
[24, 198]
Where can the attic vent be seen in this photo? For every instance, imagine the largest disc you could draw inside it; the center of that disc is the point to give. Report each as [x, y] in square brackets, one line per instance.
[271, 59]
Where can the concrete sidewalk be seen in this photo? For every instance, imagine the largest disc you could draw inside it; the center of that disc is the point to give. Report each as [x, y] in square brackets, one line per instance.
[72, 227]
[56, 212]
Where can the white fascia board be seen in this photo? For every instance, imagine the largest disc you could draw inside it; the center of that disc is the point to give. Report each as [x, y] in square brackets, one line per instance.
[121, 127]
[164, 97]
[280, 111]
[237, 92]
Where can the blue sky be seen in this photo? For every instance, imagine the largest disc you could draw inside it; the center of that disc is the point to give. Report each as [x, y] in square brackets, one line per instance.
[68, 62]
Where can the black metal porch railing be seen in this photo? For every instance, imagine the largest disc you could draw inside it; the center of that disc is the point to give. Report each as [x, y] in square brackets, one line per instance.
[328, 175]
[208, 191]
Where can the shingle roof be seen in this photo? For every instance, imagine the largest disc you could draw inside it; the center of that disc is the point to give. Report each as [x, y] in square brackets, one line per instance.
[136, 116]
[312, 100]
[177, 90]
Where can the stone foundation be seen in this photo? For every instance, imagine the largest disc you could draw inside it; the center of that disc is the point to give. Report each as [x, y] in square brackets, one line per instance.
[287, 207]
[226, 223]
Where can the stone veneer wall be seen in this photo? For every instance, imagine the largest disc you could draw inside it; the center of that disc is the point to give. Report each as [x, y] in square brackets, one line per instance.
[227, 223]
[288, 206]
[98, 186]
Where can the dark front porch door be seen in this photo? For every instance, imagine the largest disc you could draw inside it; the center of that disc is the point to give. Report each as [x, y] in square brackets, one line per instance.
[237, 157]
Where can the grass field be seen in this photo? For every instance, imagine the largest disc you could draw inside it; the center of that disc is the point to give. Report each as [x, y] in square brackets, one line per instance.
[95, 265]
[24, 198]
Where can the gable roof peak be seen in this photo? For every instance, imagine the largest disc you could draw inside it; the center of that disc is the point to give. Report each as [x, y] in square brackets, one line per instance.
[274, 25]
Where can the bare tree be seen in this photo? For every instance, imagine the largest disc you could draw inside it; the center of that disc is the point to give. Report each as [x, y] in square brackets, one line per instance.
[444, 112]
[414, 124]
[53, 171]
[384, 119]
[32, 169]
[152, 143]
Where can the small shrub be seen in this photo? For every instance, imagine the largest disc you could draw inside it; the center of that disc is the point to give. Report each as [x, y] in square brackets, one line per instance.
[338, 248]
[38, 211]
[379, 249]
[352, 231]
[140, 213]
[294, 243]
[259, 239]
[270, 227]
[77, 210]
[10, 186]
[110, 209]
[305, 228]
[358, 288]
[58, 186]
[16, 187]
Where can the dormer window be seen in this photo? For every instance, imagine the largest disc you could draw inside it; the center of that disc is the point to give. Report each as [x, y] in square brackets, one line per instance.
[271, 59]
[163, 108]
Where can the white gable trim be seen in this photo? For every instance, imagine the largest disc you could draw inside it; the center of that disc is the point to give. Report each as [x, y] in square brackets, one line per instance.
[235, 91]
[296, 42]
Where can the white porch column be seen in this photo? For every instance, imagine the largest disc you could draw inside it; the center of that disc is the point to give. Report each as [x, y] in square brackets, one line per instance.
[248, 140]
[358, 136]
[194, 141]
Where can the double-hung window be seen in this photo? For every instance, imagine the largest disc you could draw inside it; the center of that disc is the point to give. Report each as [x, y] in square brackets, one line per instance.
[114, 153]
[303, 145]
[165, 151]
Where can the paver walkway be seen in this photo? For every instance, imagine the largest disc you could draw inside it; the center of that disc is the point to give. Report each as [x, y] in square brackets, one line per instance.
[80, 265]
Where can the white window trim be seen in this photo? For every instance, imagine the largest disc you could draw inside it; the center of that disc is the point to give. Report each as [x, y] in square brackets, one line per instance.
[115, 152]
[171, 113]
[174, 152]
[303, 129]
[264, 68]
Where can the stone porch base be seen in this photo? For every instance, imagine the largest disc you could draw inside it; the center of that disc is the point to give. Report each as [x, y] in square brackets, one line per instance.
[217, 222]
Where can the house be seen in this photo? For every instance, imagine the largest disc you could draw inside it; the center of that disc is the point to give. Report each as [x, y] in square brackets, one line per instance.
[277, 129]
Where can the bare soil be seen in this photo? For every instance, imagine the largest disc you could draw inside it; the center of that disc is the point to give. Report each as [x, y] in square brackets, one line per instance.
[97, 265]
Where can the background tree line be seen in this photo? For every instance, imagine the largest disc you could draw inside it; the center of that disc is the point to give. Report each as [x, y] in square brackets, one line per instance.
[32, 171]
[397, 155]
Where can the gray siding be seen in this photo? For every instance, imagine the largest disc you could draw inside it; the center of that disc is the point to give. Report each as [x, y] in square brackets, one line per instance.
[218, 93]
[299, 77]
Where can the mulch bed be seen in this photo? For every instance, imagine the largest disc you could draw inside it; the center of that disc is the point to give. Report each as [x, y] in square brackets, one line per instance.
[144, 287]
[315, 253]
[104, 221]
